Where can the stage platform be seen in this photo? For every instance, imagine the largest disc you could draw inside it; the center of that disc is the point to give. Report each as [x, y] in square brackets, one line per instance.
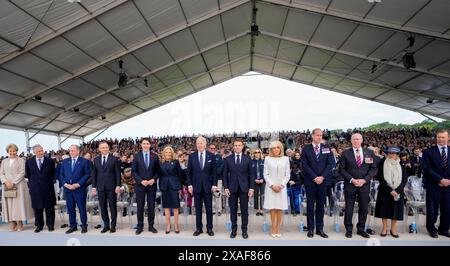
[291, 236]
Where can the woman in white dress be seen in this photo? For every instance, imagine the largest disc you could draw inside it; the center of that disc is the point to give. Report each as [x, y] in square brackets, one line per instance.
[12, 174]
[277, 173]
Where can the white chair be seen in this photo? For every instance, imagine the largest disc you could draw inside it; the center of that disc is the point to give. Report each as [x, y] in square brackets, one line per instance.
[373, 194]
[61, 205]
[123, 203]
[339, 203]
[415, 199]
[92, 205]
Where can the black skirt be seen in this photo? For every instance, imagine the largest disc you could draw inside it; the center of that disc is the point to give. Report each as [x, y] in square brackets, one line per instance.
[170, 199]
[387, 208]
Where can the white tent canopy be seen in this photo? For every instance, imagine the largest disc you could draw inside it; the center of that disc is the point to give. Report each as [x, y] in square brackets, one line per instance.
[67, 54]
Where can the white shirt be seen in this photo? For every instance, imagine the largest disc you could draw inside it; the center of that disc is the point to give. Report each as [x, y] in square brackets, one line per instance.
[203, 153]
[360, 152]
[37, 161]
[11, 161]
[314, 148]
[72, 162]
[106, 158]
[235, 157]
[445, 149]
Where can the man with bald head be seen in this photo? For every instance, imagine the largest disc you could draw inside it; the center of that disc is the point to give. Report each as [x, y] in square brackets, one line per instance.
[202, 182]
[74, 174]
[357, 166]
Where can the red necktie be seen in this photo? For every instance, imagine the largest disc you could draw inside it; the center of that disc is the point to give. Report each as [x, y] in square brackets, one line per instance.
[358, 158]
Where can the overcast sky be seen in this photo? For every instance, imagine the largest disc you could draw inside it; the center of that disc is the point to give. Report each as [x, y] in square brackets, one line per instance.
[255, 102]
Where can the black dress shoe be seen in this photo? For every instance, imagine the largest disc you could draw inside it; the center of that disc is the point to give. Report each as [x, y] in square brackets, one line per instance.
[37, 230]
[71, 230]
[104, 230]
[112, 230]
[383, 235]
[244, 235]
[447, 234]
[310, 233]
[322, 233]
[433, 234]
[348, 234]
[84, 230]
[363, 234]
[198, 232]
[394, 236]
[139, 231]
[177, 231]
[153, 230]
[210, 232]
[370, 231]
[51, 229]
[233, 234]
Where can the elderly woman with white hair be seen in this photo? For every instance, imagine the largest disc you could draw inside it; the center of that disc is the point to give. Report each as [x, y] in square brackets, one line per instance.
[16, 202]
[277, 173]
[390, 199]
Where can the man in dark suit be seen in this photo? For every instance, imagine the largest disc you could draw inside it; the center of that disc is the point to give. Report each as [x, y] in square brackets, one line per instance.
[317, 162]
[40, 172]
[106, 181]
[145, 172]
[238, 183]
[357, 166]
[202, 182]
[436, 176]
[75, 172]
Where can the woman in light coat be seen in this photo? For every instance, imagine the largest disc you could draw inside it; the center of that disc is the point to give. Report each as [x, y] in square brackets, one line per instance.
[277, 173]
[12, 174]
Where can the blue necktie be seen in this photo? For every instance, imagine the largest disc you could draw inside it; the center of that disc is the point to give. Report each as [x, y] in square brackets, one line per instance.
[201, 161]
[73, 164]
[146, 160]
[40, 164]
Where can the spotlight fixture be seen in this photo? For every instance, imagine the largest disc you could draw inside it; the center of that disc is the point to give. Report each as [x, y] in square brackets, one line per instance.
[76, 109]
[408, 60]
[411, 39]
[103, 117]
[120, 64]
[374, 1]
[146, 83]
[374, 68]
[254, 30]
[38, 98]
[430, 100]
[123, 79]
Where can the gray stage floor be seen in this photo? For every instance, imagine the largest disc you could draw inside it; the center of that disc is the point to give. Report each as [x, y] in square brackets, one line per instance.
[257, 237]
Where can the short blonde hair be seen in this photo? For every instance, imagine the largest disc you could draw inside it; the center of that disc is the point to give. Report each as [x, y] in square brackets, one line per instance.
[12, 145]
[274, 144]
[163, 157]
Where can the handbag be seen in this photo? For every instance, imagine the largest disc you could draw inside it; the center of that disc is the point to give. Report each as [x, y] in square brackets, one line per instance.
[10, 193]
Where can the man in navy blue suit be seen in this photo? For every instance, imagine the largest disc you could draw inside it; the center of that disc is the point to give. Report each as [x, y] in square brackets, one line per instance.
[145, 168]
[436, 176]
[106, 181]
[40, 171]
[238, 183]
[202, 182]
[75, 171]
[317, 162]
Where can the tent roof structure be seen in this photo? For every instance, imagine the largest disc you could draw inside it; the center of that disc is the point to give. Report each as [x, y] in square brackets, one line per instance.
[59, 66]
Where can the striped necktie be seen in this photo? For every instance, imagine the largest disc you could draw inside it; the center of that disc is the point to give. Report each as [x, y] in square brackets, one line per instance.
[316, 149]
[444, 157]
[358, 158]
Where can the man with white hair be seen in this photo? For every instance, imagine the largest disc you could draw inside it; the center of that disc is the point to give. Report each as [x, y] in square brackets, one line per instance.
[357, 166]
[75, 172]
[202, 182]
[40, 171]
